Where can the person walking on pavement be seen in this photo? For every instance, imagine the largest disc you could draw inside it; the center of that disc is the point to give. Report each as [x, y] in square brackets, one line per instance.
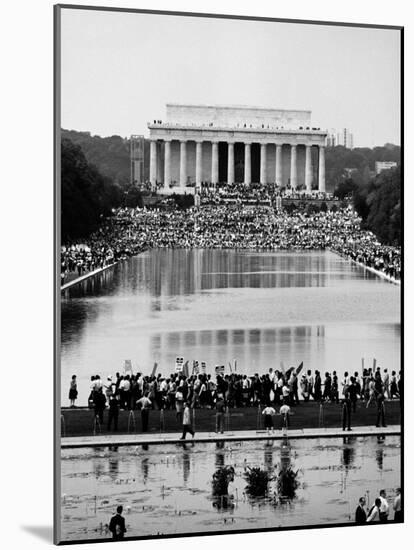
[268, 413]
[384, 508]
[220, 410]
[374, 513]
[360, 513]
[317, 393]
[99, 402]
[285, 414]
[381, 411]
[353, 393]
[187, 422]
[117, 524]
[113, 413]
[398, 515]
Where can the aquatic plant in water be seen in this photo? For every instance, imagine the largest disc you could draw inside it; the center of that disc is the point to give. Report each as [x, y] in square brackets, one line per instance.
[257, 481]
[221, 479]
[287, 482]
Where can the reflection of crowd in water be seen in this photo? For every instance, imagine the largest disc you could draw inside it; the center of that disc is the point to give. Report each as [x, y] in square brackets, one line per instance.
[130, 231]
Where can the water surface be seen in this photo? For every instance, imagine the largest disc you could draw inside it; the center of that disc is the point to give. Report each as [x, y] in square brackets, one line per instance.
[166, 489]
[259, 308]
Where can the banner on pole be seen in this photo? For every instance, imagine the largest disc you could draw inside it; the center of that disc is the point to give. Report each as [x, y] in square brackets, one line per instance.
[203, 367]
[154, 368]
[179, 364]
[128, 366]
[219, 370]
[196, 368]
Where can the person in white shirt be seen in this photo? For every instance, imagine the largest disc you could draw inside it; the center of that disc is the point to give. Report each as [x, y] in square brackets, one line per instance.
[374, 514]
[145, 404]
[98, 382]
[386, 383]
[285, 413]
[384, 508]
[268, 413]
[187, 422]
[179, 405]
[345, 383]
[311, 382]
[285, 394]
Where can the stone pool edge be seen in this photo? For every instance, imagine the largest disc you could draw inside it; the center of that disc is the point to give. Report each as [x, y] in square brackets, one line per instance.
[206, 437]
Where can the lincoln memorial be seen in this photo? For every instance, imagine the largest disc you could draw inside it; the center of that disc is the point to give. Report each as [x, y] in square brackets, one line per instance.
[208, 144]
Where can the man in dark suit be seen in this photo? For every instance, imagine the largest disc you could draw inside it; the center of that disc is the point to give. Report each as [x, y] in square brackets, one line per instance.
[380, 411]
[346, 412]
[117, 525]
[360, 514]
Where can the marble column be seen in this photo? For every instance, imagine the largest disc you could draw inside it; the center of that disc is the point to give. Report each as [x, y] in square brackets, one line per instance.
[153, 163]
[321, 182]
[263, 163]
[199, 162]
[214, 163]
[293, 167]
[167, 164]
[230, 163]
[278, 165]
[308, 168]
[183, 163]
[247, 164]
[160, 175]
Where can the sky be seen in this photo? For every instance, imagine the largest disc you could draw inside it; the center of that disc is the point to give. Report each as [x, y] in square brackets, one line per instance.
[119, 70]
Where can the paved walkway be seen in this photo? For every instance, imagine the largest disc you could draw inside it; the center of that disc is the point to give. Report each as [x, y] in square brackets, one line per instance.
[163, 438]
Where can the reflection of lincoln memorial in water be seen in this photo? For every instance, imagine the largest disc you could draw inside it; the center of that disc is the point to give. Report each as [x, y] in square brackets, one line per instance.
[210, 271]
[251, 347]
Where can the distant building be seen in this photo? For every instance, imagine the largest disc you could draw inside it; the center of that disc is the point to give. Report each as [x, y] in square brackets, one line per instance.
[137, 159]
[345, 138]
[384, 165]
[331, 139]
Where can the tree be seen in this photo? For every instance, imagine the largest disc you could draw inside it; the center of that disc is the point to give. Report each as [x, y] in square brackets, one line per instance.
[345, 188]
[384, 202]
[86, 195]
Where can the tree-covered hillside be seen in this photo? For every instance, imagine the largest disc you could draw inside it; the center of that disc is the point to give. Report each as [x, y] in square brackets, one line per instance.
[109, 154]
[378, 202]
[340, 161]
[86, 194]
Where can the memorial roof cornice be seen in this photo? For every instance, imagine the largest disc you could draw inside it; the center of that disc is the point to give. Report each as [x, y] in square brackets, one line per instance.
[255, 130]
[247, 107]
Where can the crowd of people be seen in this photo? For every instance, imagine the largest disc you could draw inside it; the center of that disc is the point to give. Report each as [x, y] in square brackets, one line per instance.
[275, 388]
[380, 511]
[255, 194]
[132, 230]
